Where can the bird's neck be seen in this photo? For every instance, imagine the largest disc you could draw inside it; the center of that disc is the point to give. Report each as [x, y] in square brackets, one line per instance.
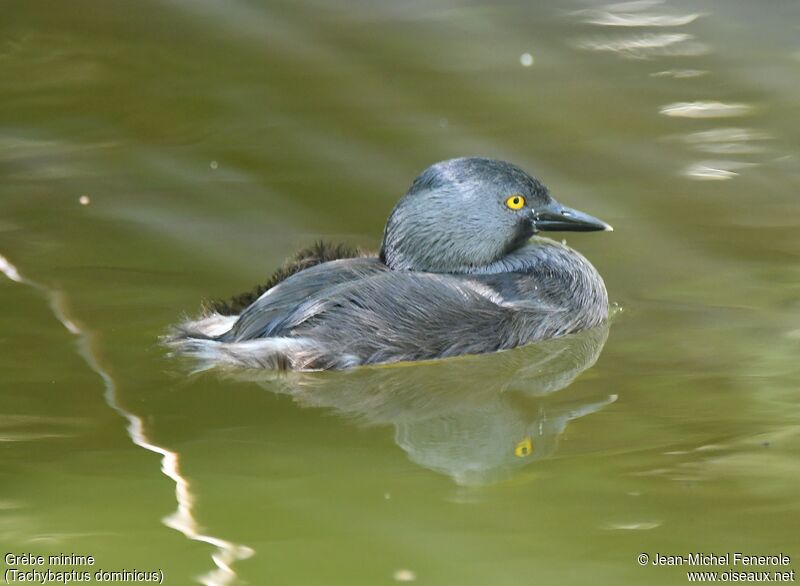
[537, 253]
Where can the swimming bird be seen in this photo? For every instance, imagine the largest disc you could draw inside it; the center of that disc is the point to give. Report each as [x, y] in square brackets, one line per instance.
[460, 271]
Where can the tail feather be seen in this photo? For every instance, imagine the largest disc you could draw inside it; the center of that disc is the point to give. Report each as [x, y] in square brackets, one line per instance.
[198, 340]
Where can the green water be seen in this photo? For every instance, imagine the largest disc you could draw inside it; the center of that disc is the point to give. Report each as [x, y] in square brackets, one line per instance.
[209, 139]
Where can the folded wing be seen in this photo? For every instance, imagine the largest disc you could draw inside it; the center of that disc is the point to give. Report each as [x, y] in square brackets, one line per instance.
[390, 316]
[255, 321]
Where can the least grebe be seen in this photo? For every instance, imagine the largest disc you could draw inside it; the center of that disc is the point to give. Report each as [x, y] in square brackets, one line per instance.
[460, 271]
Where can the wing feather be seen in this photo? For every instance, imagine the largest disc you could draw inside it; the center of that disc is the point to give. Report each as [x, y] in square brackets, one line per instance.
[412, 316]
[320, 280]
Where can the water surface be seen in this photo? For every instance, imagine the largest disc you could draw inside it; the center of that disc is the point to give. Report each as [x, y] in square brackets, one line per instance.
[158, 155]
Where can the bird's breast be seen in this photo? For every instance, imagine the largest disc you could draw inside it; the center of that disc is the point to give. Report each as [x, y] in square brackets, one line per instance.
[556, 278]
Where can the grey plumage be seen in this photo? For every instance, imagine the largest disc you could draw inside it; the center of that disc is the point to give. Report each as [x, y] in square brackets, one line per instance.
[458, 273]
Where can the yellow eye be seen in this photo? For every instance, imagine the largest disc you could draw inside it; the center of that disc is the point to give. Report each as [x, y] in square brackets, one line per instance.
[515, 202]
[524, 448]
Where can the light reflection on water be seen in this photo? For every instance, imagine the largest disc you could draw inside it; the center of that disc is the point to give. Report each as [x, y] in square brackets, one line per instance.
[227, 553]
[706, 110]
[652, 45]
[680, 73]
[636, 14]
[611, 19]
[648, 45]
[645, 45]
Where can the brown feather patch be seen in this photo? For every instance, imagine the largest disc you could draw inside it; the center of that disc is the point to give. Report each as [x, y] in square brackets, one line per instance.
[316, 254]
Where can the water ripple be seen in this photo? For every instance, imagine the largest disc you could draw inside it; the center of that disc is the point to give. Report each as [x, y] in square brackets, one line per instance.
[727, 141]
[680, 73]
[636, 526]
[715, 170]
[718, 135]
[633, 5]
[633, 20]
[706, 109]
[634, 14]
[648, 45]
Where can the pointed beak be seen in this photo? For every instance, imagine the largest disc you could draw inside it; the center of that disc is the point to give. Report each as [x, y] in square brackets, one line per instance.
[558, 218]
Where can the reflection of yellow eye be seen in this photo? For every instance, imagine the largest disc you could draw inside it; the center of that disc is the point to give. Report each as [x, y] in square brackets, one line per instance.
[523, 448]
[515, 202]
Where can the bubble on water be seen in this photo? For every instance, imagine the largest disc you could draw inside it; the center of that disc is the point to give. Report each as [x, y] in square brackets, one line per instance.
[706, 109]
[404, 576]
[526, 59]
[443, 122]
[84, 200]
[213, 165]
[387, 495]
